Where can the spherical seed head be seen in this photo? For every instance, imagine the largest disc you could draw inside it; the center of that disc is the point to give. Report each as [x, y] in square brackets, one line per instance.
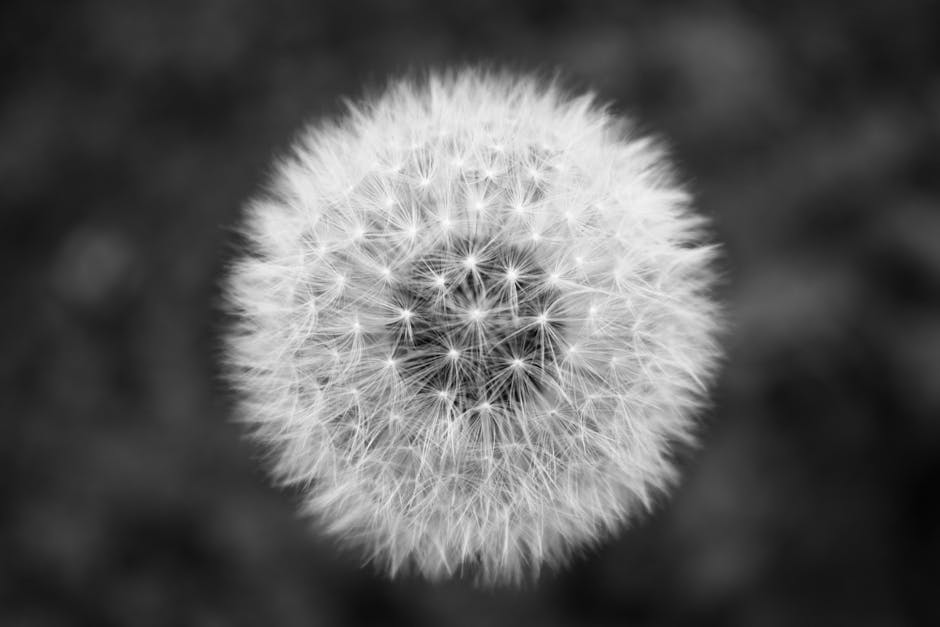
[474, 317]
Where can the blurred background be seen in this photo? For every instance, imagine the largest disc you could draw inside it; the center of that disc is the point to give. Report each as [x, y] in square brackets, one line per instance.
[131, 134]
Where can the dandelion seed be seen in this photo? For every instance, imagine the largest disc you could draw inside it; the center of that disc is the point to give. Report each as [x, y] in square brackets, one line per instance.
[487, 381]
[476, 314]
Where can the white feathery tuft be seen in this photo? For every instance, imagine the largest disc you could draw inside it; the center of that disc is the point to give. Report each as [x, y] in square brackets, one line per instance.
[473, 320]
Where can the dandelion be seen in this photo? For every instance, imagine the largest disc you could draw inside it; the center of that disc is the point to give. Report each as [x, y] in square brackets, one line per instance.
[473, 319]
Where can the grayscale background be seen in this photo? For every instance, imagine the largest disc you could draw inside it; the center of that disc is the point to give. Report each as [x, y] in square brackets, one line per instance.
[131, 134]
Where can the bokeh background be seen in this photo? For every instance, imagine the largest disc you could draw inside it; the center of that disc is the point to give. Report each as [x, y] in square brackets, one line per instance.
[131, 134]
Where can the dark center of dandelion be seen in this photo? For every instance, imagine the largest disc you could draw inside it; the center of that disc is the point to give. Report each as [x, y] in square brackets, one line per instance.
[479, 324]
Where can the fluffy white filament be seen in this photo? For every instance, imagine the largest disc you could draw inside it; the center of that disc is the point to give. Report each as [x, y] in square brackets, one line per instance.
[472, 320]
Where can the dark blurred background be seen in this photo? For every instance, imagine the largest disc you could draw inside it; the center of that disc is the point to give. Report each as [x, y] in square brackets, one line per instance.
[131, 133]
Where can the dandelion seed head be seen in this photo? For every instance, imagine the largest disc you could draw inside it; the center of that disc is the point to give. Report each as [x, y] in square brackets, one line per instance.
[474, 319]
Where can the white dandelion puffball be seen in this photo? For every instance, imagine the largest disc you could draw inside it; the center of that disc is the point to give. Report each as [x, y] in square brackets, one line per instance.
[473, 317]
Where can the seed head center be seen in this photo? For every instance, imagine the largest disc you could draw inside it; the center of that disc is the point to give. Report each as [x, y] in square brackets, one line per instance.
[471, 331]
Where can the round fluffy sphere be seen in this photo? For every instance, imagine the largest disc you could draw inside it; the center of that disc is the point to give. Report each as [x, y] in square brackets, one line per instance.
[472, 321]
